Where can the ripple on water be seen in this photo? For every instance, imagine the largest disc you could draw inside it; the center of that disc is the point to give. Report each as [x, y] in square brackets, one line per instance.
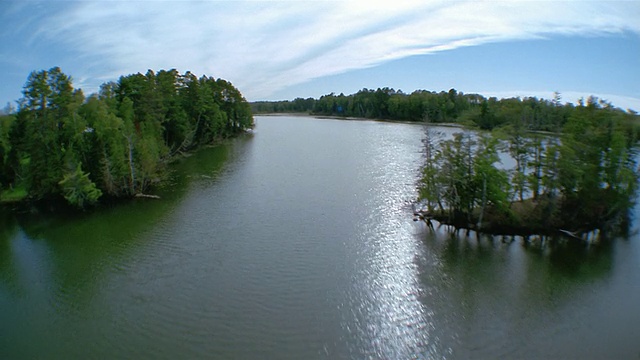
[295, 248]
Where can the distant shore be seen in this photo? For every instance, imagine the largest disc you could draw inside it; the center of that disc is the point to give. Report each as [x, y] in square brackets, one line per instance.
[349, 118]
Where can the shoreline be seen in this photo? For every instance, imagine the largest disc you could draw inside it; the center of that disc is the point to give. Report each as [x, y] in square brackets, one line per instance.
[22, 203]
[349, 118]
[587, 237]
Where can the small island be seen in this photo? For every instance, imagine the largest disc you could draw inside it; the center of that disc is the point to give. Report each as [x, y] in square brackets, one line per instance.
[580, 181]
[63, 147]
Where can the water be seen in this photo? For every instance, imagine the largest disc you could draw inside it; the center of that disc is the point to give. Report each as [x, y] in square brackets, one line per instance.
[296, 242]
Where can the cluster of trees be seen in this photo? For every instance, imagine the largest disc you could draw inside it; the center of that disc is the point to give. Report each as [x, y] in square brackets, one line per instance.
[298, 105]
[583, 179]
[443, 107]
[117, 143]
[387, 103]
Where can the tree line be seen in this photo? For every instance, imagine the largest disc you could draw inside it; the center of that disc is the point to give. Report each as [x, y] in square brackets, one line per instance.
[582, 179]
[113, 144]
[298, 105]
[440, 107]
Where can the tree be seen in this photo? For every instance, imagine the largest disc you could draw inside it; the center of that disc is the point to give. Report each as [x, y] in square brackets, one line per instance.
[550, 179]
[47, 105]
[5, 126]
[536, 159]
[519, 151]
[430, 187]
[106, 157]
[493, 182]
[456, 176]
[78, 189]
[117, 142]
[128, 133]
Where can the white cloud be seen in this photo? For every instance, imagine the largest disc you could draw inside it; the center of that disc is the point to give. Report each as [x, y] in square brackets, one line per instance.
[265, 46]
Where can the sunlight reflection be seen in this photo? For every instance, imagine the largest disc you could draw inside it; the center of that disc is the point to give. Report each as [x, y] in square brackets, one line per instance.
[392, 321]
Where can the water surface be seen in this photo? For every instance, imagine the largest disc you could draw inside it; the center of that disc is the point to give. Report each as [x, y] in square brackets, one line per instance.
[297, 242]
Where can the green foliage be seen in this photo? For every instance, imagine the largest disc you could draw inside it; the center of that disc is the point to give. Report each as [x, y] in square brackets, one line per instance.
[298, 105]
[124, 136]
[6, 121]
[451, 106]
[78, 189]
[494, 182]
[446, 107]
[584, 179]
[460, 176]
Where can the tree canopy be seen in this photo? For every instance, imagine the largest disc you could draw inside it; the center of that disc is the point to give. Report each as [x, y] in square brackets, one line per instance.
[582, 179]
[117, 143]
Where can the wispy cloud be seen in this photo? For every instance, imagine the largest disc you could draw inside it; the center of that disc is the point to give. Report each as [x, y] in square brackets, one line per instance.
[268, 45]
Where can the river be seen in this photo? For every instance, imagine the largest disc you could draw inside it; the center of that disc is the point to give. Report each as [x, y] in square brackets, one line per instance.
[297, 242]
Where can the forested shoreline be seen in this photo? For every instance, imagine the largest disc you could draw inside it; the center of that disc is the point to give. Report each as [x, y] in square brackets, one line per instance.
[575, 170]
[61, 146]
[444, 107]
[575, 165]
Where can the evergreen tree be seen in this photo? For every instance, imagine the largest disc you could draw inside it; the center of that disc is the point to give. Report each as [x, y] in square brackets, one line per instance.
[78, 189]
[117, 142]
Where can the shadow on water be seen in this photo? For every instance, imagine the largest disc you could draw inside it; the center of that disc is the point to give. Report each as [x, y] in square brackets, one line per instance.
[73, 250]
[489, 264]
[8, 230]
[490, 297]
[572, 259]
[482, 257]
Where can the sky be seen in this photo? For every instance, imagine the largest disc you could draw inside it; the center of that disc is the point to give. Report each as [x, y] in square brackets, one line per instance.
[280, 50]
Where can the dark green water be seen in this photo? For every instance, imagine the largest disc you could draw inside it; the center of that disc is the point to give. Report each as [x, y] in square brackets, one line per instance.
[297, 242]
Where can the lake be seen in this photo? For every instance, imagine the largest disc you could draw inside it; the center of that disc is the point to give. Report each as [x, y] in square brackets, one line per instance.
[297, 242]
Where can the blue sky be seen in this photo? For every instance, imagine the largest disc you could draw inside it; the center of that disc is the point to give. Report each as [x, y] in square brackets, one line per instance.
[273, 50]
